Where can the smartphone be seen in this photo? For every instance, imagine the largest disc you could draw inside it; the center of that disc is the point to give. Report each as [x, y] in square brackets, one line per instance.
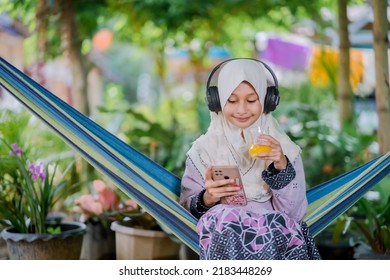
[230, 172]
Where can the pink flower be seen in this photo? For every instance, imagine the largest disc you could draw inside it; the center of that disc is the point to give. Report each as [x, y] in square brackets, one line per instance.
[98, 185]
[88, 206]
[37, 171]
[104, 200]
[109, 199]
[130, 205]
[15, 150]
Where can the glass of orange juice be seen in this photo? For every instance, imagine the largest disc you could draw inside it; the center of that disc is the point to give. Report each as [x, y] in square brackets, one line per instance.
[258, 148]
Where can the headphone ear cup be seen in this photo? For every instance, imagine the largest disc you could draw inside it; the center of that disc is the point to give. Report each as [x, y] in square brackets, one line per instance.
[213, 99]
[271, 99]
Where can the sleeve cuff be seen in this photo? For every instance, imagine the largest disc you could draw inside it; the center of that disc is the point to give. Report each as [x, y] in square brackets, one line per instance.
[278, 179]
[197, 207]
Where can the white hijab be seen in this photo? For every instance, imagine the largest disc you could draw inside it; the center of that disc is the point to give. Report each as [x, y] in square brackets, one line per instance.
[223, 144]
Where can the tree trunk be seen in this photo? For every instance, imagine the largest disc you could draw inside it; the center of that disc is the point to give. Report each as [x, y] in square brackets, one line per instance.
[344, 86]
[41, 29]
[382, 92]
[72, 51]
[71, 46]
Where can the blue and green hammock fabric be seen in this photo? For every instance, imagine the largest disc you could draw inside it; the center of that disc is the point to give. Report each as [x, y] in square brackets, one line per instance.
[152, 186]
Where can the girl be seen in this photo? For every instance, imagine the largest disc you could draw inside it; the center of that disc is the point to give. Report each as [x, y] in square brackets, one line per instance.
[269, 226]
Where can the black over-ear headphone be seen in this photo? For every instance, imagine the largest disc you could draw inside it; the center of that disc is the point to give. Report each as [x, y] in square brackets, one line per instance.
[271, 99]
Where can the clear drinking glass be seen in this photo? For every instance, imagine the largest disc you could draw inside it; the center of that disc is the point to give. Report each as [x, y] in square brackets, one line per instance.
[258, 147]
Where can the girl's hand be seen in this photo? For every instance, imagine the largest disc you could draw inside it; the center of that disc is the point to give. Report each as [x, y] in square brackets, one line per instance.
[276, 155]
[217, 189]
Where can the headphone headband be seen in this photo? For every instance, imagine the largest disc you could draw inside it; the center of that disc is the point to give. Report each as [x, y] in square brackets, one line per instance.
[271, 99]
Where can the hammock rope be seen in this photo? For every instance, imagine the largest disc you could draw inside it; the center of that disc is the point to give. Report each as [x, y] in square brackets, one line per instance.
[153, 187]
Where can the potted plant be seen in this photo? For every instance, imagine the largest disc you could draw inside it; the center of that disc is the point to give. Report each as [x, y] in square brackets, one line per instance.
[28, 192]
[371, 218]
[365, 227]
[139, 237]
[334, 243]
[98, 208]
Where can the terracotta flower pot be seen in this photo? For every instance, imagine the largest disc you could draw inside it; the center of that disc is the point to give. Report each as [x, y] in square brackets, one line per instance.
[142, 244]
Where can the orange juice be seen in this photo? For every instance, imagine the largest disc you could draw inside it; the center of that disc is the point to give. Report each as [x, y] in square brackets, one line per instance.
[257, 149]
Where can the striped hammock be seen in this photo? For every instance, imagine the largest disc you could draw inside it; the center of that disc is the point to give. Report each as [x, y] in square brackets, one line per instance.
[155, 188]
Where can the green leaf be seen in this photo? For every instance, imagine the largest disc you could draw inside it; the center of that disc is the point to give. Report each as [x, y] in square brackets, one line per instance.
[54, 230]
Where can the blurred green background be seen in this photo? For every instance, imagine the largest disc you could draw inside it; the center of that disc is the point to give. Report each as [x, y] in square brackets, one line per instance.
[139, 69]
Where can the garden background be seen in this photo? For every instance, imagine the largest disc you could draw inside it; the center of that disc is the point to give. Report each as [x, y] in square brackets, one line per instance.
[139, 69]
